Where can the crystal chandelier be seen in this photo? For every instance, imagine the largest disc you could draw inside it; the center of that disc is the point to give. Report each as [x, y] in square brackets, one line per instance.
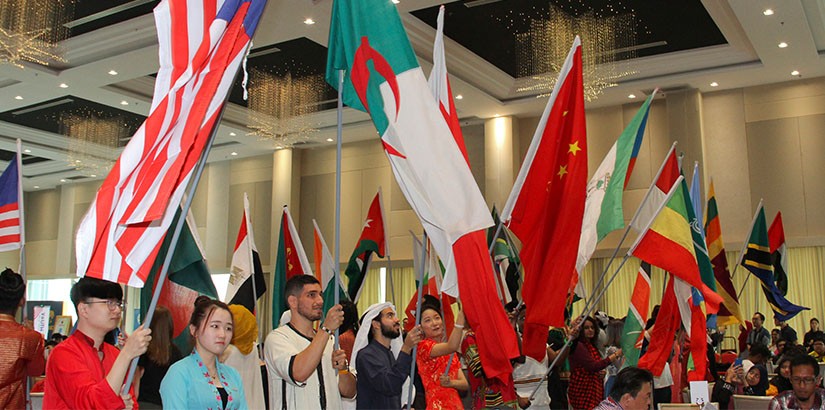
[94, 139]
[606, 41]
[30, 30]
[280, 106]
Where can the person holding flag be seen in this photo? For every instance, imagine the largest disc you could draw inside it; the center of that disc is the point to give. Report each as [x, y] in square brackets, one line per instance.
[23, 347]
[305, 371]
[76, 376]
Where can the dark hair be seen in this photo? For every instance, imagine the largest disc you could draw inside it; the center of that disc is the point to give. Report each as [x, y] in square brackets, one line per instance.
[430, 302]
[295, 285]
[819, 337]
[51, 343]
[761, 316]
[813, 319]
[805, 360]
[350, 317]
[159, 349]
[630, 380]
[12, 289]
[760, 350]
[205, 307]
[596, 329]
[87, 287]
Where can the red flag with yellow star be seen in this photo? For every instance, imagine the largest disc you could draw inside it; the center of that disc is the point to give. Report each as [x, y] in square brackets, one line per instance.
[546, 206]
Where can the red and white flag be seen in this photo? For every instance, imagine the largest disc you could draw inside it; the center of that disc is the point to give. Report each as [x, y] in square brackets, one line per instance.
[201, 46]
[546, 206]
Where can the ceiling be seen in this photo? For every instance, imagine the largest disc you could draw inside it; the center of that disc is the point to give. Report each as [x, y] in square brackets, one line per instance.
[111, 59]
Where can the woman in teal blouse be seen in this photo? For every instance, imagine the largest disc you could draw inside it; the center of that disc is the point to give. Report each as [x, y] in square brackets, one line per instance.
[200, 381]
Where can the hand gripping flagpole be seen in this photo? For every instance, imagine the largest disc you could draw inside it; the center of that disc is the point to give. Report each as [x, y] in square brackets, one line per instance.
[417, 320]
[338, 147]
[187, 203]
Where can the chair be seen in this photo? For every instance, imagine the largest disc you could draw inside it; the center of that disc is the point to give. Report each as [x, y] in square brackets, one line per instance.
[681, 406]
[751, 402]
[37, 401]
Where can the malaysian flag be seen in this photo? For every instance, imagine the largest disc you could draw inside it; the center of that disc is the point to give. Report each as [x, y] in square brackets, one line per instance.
[11, 204]
[201, 45]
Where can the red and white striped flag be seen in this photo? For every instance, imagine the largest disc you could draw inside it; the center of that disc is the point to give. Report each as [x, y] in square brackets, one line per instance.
[201, 46]
[11, 205]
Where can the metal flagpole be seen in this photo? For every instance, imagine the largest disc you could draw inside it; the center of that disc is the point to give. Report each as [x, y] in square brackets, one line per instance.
[417, 321]
[338, 146]
[389, 275]
[745, 247]
[22, 267]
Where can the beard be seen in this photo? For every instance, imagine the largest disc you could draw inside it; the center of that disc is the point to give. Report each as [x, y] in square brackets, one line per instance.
[390, 332]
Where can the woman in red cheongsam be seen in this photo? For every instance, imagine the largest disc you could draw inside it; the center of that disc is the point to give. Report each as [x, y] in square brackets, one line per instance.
[433, 355]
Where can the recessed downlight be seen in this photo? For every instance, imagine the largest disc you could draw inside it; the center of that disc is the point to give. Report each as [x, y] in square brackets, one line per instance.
[782, 45]
[459, 97]
[18, 97]
[795, 73]
[631, 96]
[112, 72]
[309, 21]
[714, 84]
[124, 102]
[232, 134]
[768, 12]
[330, 140]
[63, 85]
[233, 153]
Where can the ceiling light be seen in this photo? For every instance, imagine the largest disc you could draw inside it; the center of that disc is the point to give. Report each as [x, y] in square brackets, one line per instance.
[77, 161]
[112, 72]
[714, 84]
[396, 1]
[124, 102]
[37, 187]
[278, 147]
[631, 96]
[232, 134]
[93, 176]
[330, 140]
[19, 97]
[27, 150]
[768, 12]
[62, 180]
[64, 85]
[233, 153]
[782, 44]
[309, 21]
[794, 72]
[459, 97]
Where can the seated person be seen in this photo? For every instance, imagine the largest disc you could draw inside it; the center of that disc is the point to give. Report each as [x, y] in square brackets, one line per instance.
[754, 382]
[818, 351]
[632, 390]
[806, 393]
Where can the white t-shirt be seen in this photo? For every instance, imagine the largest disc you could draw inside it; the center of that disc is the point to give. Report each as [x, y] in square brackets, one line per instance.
[280, 348]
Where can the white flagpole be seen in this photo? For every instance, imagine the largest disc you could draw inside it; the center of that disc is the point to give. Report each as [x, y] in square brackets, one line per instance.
[21, 209]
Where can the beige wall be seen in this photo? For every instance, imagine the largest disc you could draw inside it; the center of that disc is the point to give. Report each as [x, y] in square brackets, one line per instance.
[760, 142]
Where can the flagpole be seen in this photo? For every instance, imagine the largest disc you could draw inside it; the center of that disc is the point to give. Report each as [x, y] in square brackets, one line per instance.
[22, 267]
[417, 319]
[630, 224]
[747, 238]
[389, 275]
[187, 203]
[338, 147]
[745, 246]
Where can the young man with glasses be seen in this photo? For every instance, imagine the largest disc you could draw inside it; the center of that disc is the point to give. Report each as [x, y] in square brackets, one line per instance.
[805, 380]
[84, 371]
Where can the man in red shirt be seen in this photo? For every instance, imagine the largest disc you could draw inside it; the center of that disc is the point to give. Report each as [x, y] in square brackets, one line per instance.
[84, 372]
[22, 352]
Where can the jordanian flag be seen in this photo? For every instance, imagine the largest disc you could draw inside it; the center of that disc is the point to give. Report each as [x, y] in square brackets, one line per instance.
[187, 278]
[729, 312]
[758, 261]
[373, 240]
[291, 260]
[603, 212]
[367, 43]
[637, 315]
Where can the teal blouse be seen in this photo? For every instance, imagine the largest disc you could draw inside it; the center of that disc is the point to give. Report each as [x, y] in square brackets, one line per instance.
[187, 385]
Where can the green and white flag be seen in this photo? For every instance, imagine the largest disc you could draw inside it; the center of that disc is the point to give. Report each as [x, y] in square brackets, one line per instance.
[603, 212]
[634, 326]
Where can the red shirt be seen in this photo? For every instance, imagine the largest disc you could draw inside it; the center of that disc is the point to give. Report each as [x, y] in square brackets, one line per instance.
[76, 376]
[21, 355]
[430, 369]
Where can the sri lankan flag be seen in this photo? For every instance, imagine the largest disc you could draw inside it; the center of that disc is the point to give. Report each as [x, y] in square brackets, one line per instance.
[729, 312]
[758, 261]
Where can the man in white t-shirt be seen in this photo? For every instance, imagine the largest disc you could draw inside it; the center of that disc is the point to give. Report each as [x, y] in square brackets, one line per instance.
[303, 368]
